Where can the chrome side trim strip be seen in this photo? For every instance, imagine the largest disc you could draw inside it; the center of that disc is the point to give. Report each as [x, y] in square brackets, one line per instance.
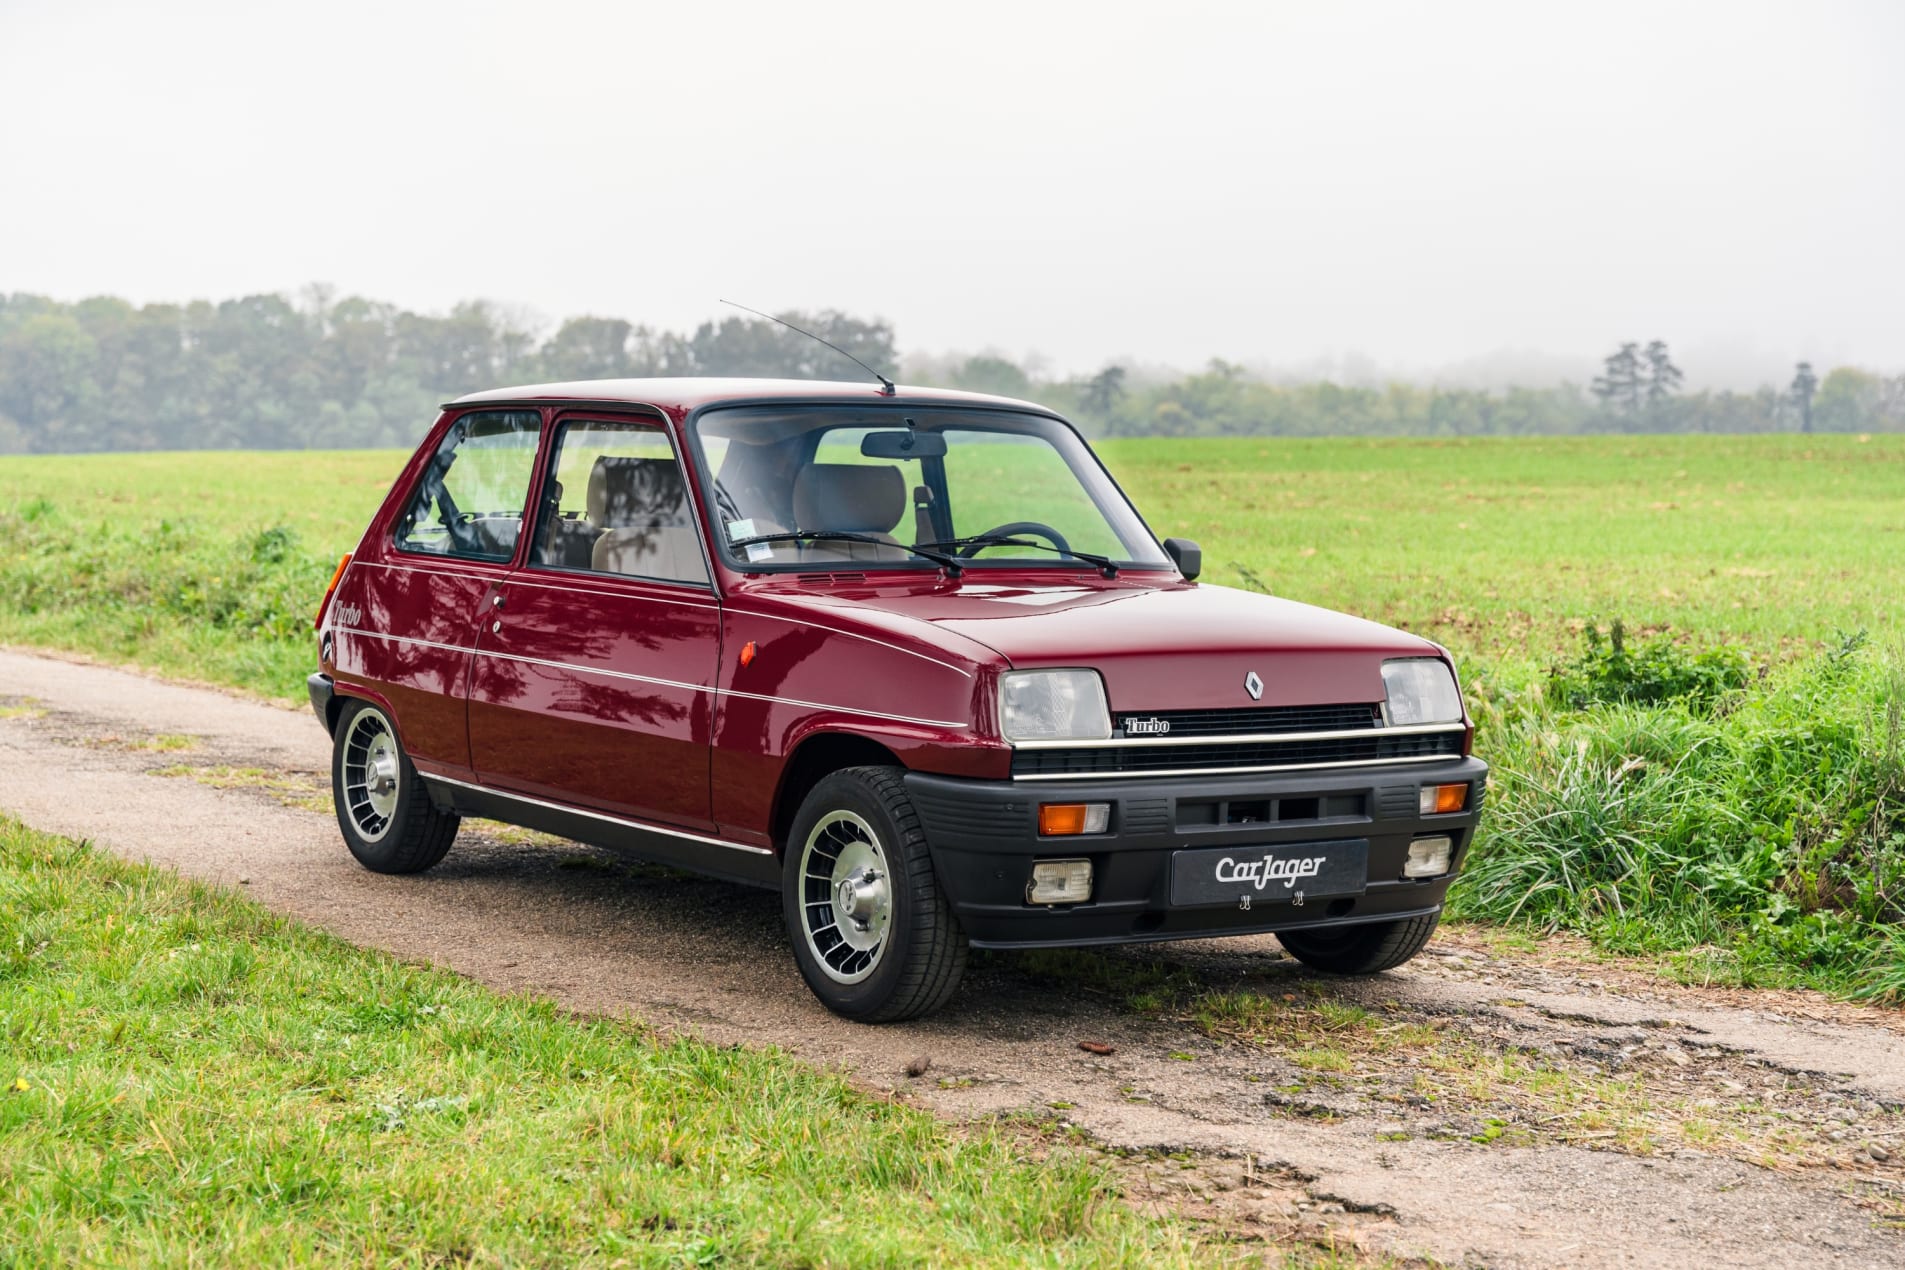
[593, 670]
[623, 821]
[660, 683]
[401, 639]
[868, 714]
[1242, 738]
[1233, 771]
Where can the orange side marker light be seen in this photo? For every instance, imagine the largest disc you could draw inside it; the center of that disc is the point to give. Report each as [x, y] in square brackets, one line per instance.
[331, 590]
[747, 653]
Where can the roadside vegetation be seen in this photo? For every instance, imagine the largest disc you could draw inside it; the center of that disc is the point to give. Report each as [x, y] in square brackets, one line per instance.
[1696, 750]
[186, 1079]
[1750, 824]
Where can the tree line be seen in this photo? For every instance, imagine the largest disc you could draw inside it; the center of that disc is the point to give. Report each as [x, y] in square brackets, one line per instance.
[317, 371]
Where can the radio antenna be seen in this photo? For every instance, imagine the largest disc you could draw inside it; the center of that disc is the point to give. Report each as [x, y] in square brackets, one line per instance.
[886, 385]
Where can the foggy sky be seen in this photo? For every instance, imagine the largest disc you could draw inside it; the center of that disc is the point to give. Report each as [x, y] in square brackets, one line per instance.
[1415, 187]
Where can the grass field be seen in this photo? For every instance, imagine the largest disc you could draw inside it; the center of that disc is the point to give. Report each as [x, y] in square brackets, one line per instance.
[1760, 827]
[1500, 548]
[186, 1079]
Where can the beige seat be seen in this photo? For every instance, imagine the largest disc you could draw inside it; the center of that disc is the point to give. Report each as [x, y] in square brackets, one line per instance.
[641, 508]
[855, 498]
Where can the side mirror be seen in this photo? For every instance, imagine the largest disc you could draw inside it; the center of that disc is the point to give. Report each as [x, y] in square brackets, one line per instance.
[1186, 555]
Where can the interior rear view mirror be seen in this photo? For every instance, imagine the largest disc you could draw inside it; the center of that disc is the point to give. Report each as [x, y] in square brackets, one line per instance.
[903, 444]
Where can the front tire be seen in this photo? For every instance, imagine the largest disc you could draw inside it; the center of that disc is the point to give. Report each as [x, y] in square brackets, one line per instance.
[873, 934]
[1360, 950]
[387, 818]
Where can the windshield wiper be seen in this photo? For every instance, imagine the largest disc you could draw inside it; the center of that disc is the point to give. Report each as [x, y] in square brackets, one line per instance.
[951, 564]
[1104, 564]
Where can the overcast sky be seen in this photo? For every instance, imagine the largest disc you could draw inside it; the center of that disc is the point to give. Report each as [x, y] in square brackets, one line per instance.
[1287, 185]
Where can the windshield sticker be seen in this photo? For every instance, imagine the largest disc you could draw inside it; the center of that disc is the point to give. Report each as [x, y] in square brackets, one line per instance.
[739, 529]
[759, 551]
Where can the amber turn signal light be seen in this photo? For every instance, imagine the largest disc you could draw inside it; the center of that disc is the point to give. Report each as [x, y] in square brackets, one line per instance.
[325, 603]
[1057, 820]
[1440, 800]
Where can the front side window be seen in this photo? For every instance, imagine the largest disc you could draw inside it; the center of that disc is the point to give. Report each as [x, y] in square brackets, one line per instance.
[469, 500]
[815, 486]
[615, 502]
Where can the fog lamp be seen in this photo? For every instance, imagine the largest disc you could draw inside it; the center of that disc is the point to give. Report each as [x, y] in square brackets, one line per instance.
[1429, 857]
[1440, 800]
[1056, 819]
[1059, 882]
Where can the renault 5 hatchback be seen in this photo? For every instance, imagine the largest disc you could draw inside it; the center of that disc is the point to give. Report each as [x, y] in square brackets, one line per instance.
[909, 657]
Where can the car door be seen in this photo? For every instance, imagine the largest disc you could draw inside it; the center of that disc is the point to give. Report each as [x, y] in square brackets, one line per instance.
[407, 628]
[593, 682]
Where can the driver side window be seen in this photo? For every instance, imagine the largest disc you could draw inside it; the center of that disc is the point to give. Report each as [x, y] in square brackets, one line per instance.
[469, 500]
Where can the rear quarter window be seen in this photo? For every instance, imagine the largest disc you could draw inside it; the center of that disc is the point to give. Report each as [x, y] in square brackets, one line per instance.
[470, 499]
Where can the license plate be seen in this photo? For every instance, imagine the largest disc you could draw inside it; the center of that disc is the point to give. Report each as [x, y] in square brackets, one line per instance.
[1269, 875]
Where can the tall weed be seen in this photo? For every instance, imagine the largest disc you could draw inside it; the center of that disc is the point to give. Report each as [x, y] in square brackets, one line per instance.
[1773, 829]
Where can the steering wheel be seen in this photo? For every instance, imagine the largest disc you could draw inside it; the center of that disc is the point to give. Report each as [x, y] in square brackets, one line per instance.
[1011, 529]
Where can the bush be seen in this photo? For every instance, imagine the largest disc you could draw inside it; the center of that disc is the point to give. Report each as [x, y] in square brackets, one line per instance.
[1658, 670]
[1774, 830]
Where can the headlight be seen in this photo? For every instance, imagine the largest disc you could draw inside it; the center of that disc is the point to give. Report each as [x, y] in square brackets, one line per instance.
[1421, 690]
[1053, 705]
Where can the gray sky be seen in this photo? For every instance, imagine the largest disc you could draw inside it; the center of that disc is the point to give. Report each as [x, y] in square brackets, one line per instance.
[1424, 186]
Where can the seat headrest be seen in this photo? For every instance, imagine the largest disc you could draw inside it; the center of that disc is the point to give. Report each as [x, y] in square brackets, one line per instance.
[851, 497]
[627, 493]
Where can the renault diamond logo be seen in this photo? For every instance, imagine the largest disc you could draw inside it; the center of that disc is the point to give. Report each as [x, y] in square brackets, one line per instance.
[1253, 686]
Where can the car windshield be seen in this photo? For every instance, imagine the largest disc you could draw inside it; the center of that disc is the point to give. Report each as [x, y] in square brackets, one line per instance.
[818, 486]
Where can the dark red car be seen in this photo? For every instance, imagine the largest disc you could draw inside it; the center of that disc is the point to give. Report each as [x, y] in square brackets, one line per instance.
[910, 657]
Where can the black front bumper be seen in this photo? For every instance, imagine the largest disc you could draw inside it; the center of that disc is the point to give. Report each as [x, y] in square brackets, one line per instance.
[984, 838]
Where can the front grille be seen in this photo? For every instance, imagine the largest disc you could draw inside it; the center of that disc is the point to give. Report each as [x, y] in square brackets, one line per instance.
[1257, 719]
[1138, 760]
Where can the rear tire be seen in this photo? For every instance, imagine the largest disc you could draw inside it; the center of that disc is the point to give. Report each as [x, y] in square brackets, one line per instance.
[385, 813]
[873, 934]
[1360, 950]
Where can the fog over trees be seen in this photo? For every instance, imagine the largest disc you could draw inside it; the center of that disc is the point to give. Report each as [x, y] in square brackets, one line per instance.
[274, 372]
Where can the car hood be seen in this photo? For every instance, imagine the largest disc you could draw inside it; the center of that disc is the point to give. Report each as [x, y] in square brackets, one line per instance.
[1178, 646]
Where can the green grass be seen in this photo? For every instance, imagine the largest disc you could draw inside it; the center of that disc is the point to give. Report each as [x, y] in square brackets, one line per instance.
[186, 1079]
[1735, 842]
[1501, 548]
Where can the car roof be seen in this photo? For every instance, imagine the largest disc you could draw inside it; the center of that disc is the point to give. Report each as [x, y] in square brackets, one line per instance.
[684, 394]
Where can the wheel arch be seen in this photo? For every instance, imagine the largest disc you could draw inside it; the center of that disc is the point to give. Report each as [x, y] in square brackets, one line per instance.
[345, 694]
[814, 759]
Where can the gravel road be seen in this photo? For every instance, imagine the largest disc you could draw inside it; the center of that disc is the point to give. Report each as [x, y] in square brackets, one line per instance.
[1501, 1108]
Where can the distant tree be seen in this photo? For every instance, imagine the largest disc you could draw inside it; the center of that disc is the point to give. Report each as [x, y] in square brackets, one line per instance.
[589, 348]
[1805, 383]
[988, 373]
[1891, 402]
[47, 367]
[1848, 400]
[1104, 392]
[1619, 384]
[756, 346]
[1662, 377]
